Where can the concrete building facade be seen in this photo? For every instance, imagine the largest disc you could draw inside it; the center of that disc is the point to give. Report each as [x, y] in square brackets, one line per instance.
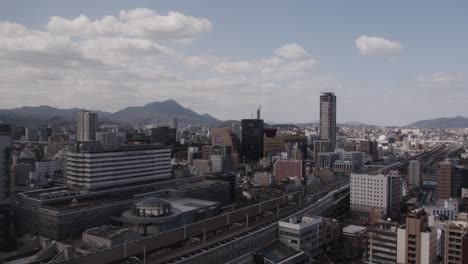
[374, 197]
[97, 169]
[303, 234]
[328, 118]
[414, 173]
[456, 242]
[444, 180]
[86, 125]
[288, 168]
[417, 241]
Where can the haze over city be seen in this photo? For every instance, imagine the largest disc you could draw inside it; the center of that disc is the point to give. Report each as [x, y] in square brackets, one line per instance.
[387, 61]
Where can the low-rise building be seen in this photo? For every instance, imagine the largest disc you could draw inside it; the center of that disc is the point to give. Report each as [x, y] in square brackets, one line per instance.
[108, 236]
[302, 234]
[444, 209]
[288, 168]
[382, 243]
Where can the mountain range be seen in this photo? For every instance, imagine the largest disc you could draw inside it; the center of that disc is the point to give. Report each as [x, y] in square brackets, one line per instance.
[152, 113]
[444, 122]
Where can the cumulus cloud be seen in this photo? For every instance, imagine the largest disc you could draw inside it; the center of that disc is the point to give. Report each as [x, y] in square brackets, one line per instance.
[131, 59]
[442, 78]
[292, 52]
[287, 61]
[139, 22]
[377, 46]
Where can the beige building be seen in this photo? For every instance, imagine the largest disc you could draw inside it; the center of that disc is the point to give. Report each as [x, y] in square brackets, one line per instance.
[456, 242]
[417, 241]
[202, 166]
[444, 180]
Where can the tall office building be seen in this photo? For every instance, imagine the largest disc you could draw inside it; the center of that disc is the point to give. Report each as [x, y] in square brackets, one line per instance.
[328, 118]
[252, 140]
[225, 137]
[414, 173]
[5, 160]
[417, 241]
[86, 125]
[6, 220]
[444, 180]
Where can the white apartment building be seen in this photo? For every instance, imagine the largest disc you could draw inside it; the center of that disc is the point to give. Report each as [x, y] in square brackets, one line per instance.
[96, 169]
[374, 197]
[302, 234]
[45, 168]
[217, 163]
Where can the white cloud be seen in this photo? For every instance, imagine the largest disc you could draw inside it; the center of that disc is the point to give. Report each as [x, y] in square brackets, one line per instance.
[377, 46]
[442, 78]
[292, 52]
[139, 22]
[131, 59]
[290, 61]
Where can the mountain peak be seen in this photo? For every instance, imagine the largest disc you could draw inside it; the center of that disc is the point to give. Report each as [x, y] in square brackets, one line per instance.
[166, 103]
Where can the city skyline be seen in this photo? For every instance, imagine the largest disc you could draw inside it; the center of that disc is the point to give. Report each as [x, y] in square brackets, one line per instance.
[386, 71]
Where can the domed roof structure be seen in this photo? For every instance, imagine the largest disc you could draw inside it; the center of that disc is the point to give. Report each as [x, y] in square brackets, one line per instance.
[152, 207]
[383, 139]
[153, 202]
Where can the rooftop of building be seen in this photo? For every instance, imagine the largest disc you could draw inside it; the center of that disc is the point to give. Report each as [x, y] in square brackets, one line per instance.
[63, 198]
[90, 148]
[443, 203]
[109, 231]
[278, 251]
[385, 226]
[354, 230]
[458, 224]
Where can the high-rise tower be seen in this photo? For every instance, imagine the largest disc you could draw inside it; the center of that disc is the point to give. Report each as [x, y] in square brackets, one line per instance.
[5, 160]
[252, 139]
[86, 125]
[328, 118]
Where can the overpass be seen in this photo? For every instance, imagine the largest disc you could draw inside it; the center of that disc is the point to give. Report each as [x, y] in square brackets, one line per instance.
[254, 219]
[425, 155]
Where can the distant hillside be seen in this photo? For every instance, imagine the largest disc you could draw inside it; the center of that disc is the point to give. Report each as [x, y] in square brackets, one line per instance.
[42, 114]
[444, 122]
[153, 113]
[159, 112]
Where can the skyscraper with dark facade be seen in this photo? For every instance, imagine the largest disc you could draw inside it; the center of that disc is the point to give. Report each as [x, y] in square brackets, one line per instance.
[5, 160]
[252, 140]
[164, 135]
[6, 230]
[328, 118]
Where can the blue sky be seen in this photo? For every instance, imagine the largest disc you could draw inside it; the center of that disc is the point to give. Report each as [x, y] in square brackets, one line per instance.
[391, 62]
